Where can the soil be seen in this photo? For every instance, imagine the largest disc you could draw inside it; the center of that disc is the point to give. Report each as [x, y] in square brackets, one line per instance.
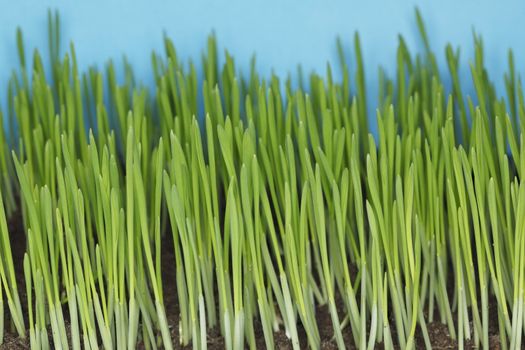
[438, 333]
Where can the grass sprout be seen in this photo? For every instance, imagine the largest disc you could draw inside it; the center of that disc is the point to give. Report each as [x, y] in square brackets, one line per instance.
[253, 209]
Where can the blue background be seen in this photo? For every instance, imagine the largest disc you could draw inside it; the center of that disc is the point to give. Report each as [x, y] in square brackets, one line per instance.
[281, 33]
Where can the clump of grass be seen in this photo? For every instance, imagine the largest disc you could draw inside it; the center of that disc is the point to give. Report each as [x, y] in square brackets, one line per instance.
[275, 200]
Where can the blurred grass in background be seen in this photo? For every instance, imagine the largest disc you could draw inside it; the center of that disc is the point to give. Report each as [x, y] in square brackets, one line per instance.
[281, 34]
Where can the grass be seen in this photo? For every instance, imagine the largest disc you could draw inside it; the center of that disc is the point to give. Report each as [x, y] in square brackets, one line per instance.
[275, 200]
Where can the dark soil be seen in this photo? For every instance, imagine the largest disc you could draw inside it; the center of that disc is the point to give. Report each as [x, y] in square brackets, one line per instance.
[438, 332]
